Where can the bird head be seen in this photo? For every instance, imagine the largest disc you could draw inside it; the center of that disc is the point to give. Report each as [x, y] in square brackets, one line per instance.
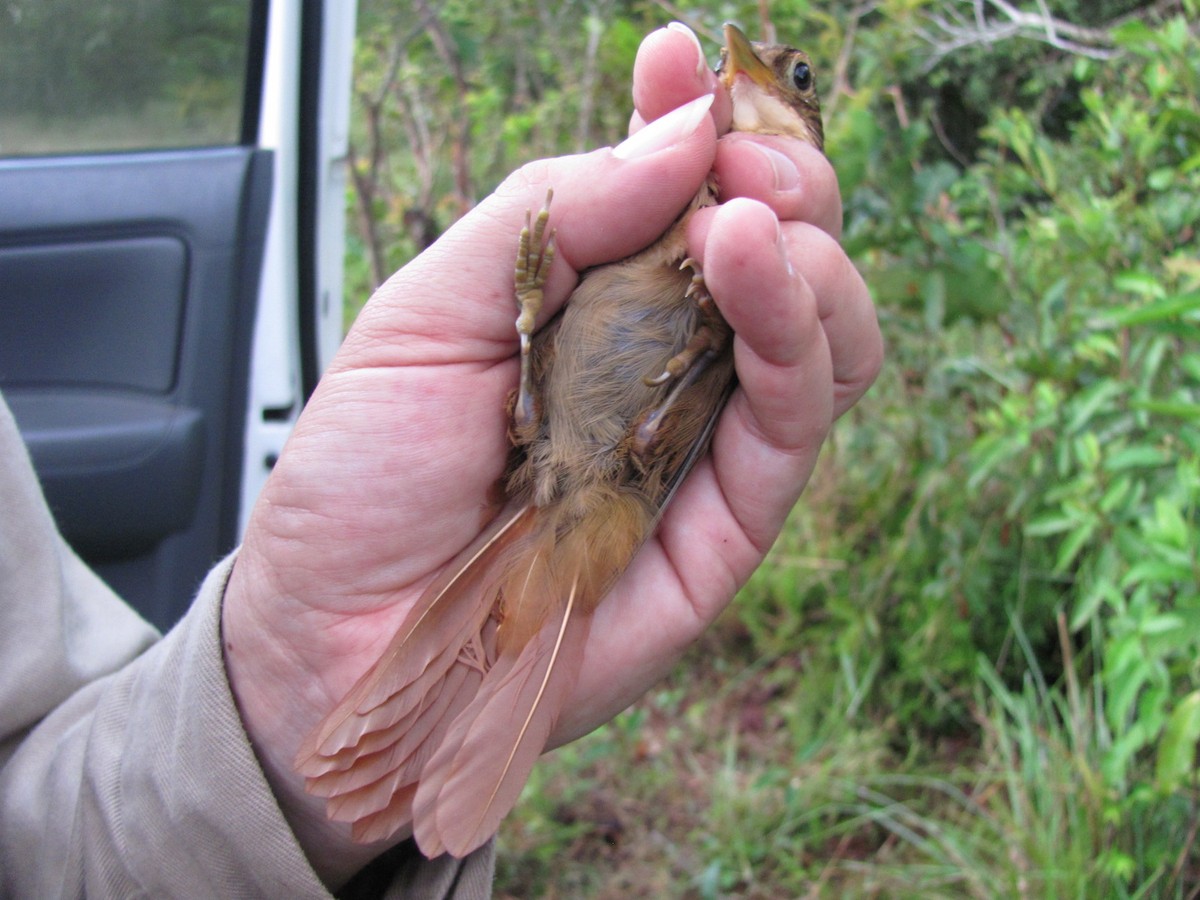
[772, 87]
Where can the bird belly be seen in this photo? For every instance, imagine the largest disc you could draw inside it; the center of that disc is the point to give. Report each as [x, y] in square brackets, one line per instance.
[620, 327]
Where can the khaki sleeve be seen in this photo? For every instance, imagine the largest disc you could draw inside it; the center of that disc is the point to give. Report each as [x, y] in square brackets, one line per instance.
[124, 767]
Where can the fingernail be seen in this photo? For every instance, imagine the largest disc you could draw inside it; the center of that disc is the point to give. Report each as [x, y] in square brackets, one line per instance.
[701, 63]
[787, 176]
[666, 131]
[782, 247]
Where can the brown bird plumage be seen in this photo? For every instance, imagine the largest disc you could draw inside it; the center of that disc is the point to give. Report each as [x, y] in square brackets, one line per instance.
[617, 400]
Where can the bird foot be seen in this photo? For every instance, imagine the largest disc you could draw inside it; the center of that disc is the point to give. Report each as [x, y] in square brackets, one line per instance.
[710, 335]
[709, 338]
[535, 253]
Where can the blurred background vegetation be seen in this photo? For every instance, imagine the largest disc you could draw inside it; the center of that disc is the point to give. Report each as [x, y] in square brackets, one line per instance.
[134, 74]
[972, 664]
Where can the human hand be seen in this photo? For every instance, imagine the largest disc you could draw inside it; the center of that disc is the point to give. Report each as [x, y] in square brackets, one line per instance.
[390, 470]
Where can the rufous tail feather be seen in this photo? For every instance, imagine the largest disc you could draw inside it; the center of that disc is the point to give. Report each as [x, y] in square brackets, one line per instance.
[441, 734]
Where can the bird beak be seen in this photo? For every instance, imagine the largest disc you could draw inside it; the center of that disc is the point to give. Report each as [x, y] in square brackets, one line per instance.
[740, 58]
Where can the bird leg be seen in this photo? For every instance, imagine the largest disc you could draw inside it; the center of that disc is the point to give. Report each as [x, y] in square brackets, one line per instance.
[710, 333]
[685, 367]
[535, 252]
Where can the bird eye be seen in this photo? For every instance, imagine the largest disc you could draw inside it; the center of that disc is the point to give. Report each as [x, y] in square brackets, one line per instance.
[802, 76]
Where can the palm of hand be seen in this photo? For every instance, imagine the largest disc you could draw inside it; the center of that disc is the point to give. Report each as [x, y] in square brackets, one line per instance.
[391, 469]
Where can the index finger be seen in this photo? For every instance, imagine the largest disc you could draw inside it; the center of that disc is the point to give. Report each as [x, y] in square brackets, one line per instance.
[793, 178]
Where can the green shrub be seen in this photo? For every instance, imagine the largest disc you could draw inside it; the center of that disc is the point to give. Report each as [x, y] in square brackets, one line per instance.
[972, 665]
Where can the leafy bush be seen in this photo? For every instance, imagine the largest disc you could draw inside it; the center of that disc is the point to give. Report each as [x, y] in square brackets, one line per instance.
[972, 664]
[1052, 458]
[1031, 455]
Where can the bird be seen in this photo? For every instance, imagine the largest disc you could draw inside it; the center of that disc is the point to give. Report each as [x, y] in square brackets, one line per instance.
[616, 400]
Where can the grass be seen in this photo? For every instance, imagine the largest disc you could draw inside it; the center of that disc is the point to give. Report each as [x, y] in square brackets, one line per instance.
[787, 756]
[727, 780]
[751, 777]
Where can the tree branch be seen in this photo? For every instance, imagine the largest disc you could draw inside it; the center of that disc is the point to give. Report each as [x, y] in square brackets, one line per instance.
[952, 30]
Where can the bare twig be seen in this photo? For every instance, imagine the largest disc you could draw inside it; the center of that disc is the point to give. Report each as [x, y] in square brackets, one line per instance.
[692, 20]
[951, 30]
[598, 13]
[839, 84]
[460, 142]
[766, 28]
[368, 164]
[939, 130]
[368, 227]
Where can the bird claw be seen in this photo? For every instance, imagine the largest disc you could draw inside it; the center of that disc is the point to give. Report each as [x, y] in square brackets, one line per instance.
[697, 285]
[685, 367]
[657, 380]
[535, 253]
[710, 334]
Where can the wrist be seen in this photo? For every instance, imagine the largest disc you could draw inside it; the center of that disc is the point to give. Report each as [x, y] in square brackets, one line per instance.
[269, 694]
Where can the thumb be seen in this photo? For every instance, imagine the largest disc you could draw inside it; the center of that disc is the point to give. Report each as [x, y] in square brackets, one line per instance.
[607, 204]
[615, 201]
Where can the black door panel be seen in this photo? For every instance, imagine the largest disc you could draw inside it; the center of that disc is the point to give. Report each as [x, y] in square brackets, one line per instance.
[121, 472]
[127, 293]
[115, 307]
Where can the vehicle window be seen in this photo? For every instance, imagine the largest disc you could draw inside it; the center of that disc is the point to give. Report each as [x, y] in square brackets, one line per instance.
[121, 74]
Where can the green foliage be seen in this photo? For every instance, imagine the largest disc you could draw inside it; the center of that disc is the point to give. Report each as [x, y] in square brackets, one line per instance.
[1110, 466]
[1030, 450]
[104, 75]
[452, 98]
[970, 667]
